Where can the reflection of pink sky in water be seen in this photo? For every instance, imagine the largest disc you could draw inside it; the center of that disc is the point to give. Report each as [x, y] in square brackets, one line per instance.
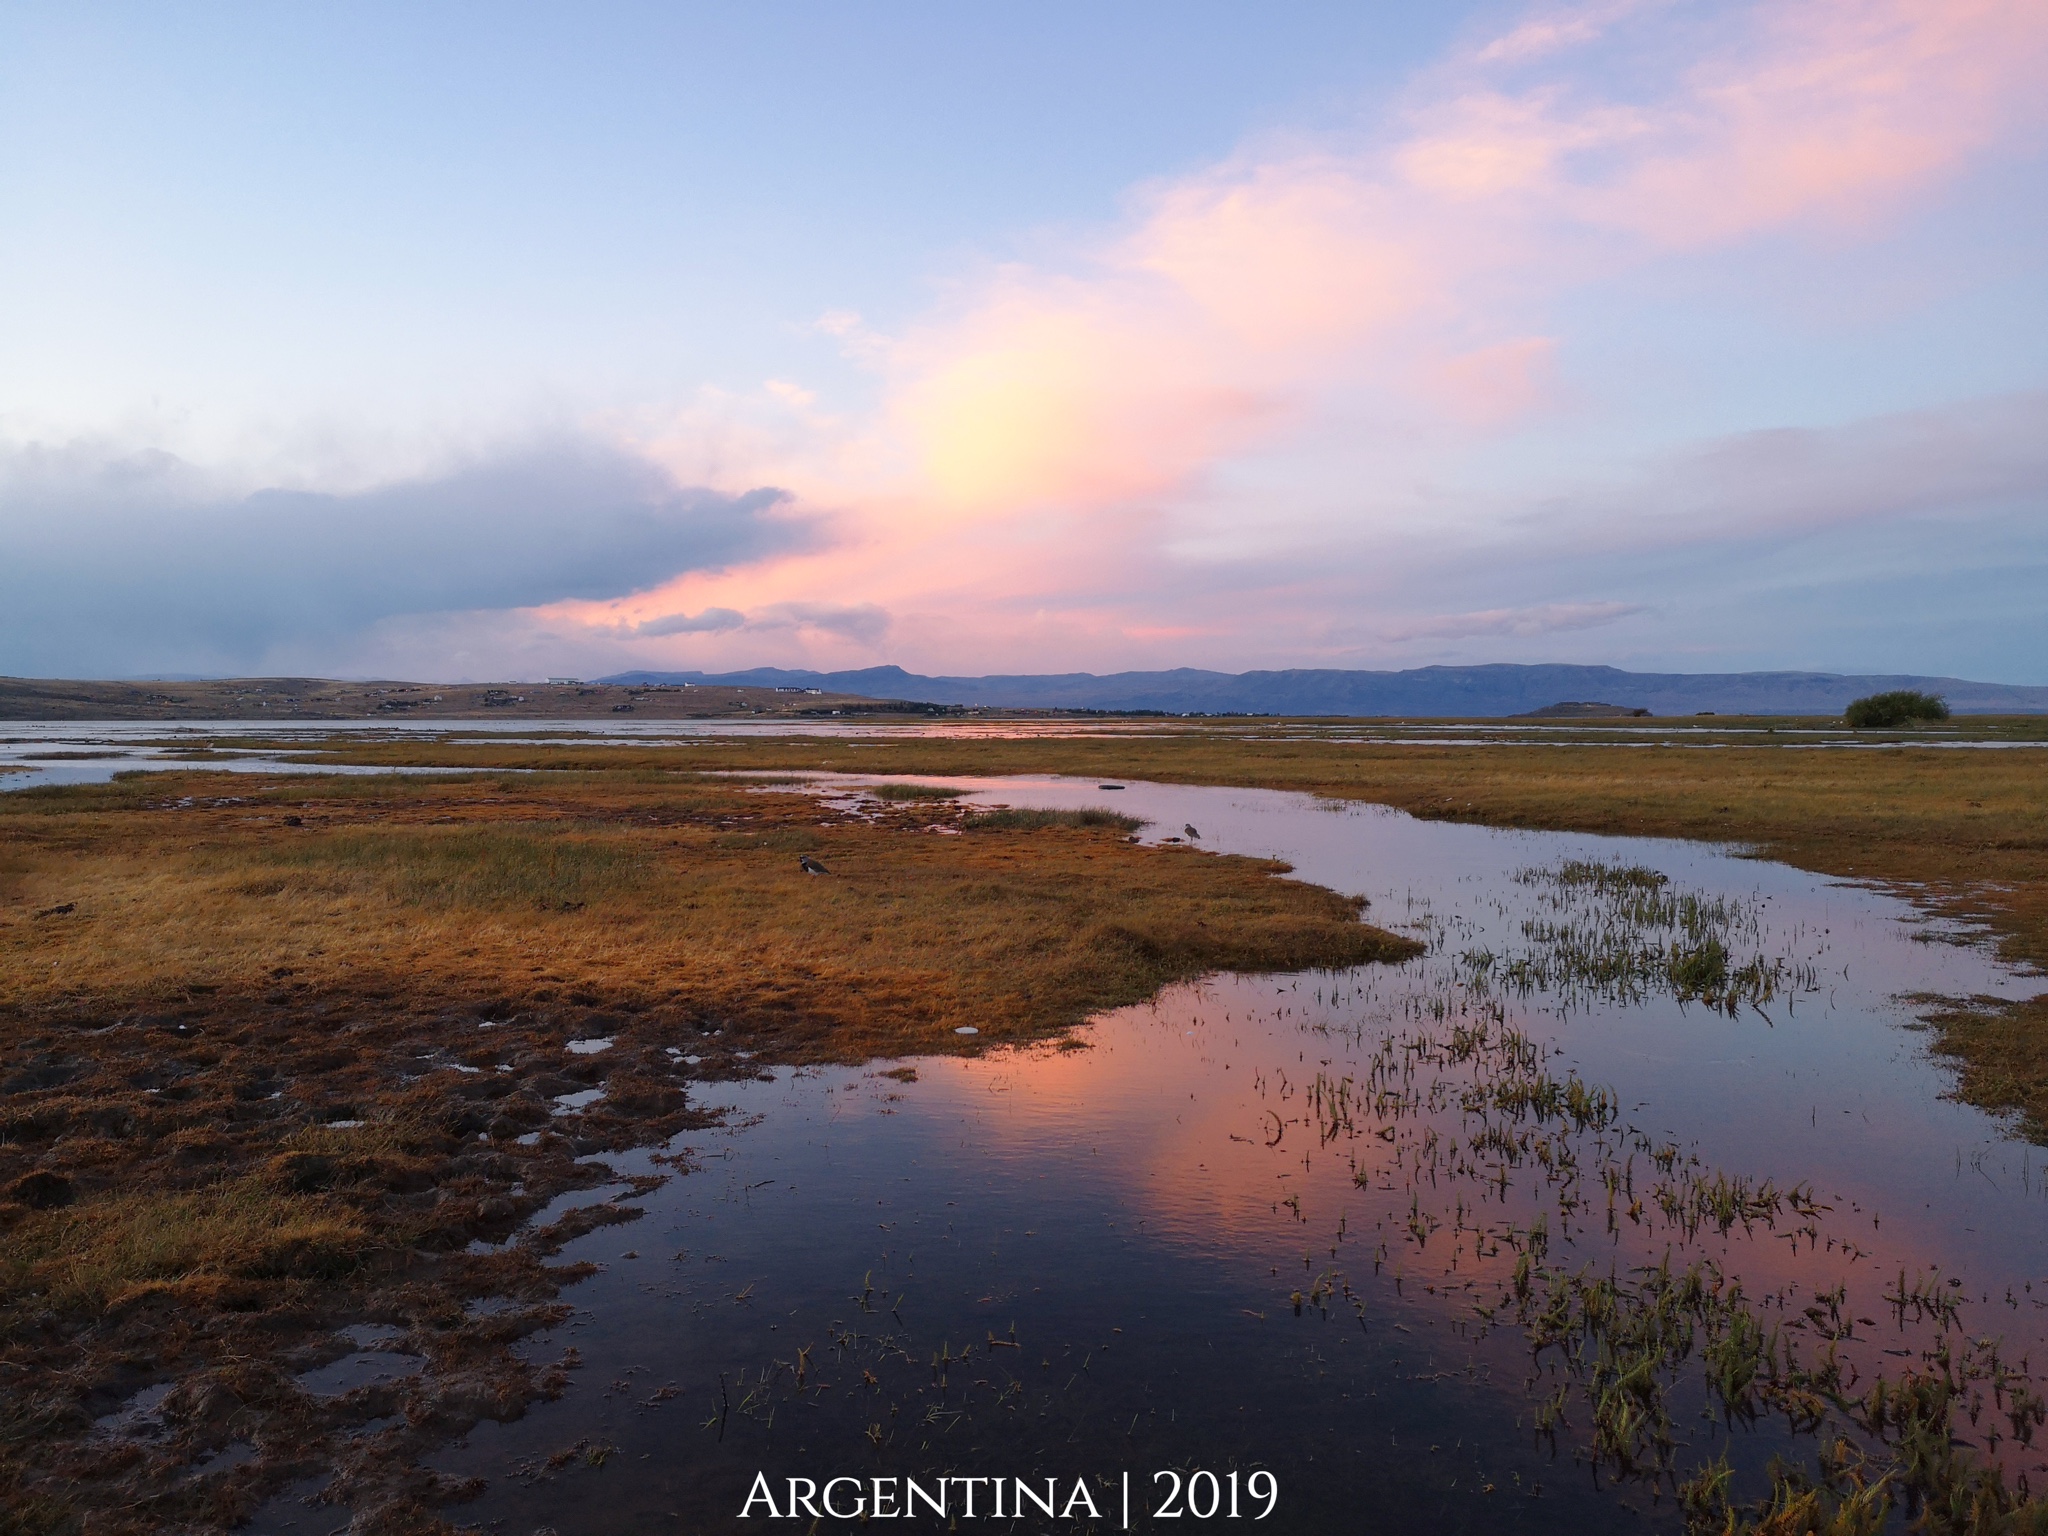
[1195, 1105]
[1196, 1111]
[1139, 1212]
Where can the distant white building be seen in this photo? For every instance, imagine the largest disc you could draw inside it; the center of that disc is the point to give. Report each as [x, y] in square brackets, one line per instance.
[567, 681]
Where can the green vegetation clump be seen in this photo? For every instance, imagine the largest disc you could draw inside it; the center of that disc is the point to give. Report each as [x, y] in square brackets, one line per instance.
[915, 792]
[1009, 819]
[1618, 931]
[1901, 706]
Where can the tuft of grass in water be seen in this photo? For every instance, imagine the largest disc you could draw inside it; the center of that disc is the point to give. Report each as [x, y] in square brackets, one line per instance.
[1618, 1344]
[1009, 819]
[914, 792]
[1603, 879]
[1619, 932]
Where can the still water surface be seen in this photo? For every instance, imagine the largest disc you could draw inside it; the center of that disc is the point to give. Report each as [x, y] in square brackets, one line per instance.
[1198, 1242]
[35, 753]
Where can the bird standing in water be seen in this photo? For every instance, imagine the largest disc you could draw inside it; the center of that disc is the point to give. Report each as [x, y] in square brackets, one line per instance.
[811, 866]
[1193, 835]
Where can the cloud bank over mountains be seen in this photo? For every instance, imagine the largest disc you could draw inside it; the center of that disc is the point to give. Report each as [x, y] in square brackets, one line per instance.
[117, 557]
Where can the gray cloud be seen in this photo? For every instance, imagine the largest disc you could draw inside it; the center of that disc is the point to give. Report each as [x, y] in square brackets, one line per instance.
[129, 563]
[711, 621]
[1786, 483]
[1542, 619]
[854, 621]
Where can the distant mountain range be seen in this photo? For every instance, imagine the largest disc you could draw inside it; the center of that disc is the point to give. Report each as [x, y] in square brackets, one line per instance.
[1427, 691]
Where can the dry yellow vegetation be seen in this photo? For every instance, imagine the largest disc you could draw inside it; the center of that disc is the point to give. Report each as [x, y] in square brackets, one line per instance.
[625, 890]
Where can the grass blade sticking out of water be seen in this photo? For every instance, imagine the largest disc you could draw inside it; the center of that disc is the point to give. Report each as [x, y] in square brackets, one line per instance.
[1620, 1344]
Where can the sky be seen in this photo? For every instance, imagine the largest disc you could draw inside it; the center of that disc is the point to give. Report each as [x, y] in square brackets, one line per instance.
[497, 341]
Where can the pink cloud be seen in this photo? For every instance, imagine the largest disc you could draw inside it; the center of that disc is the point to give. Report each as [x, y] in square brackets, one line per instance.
[1051, 457]
[1552, 31]
[1238, 297]
[1496, 384]
[1831, 110]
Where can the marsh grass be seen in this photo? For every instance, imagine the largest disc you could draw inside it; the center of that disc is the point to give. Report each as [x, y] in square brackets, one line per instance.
[1635, 1363]
[112, 1250]
[1012, 819]
[1964, 831]
[480, 867]
[913, 791]
[1619, 933]
[644, 893]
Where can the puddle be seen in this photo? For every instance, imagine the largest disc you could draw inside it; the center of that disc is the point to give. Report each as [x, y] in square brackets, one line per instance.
[562, 1204]
[588, 1047]
[493, 1306]
[137, 1416]
[236, 1453]
[576, 1103]
[364, 1368]
[1251, 1227]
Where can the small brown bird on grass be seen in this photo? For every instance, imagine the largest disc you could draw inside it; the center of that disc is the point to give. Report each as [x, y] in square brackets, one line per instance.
[811, 866]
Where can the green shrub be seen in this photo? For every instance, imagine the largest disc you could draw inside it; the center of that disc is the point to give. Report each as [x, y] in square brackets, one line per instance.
[1902, 706]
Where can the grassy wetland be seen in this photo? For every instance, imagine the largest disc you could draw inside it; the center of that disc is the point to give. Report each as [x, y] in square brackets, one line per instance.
[1565, 1245]
[289, 1056]
[1963, 831]
[278, 1053]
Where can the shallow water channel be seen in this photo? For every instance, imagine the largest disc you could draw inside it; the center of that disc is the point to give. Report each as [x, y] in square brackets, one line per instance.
[1250, 1227]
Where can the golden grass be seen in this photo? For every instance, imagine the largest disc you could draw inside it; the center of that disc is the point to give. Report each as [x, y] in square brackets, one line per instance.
[128, 1243]
[614, 889]
[447, 867]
